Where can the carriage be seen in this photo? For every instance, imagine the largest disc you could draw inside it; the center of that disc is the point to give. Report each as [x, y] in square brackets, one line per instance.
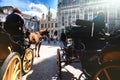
[97, 52]
[15, 59]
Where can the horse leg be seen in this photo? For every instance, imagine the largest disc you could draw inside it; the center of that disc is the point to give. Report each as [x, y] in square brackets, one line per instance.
[35, 50]
[39, 49]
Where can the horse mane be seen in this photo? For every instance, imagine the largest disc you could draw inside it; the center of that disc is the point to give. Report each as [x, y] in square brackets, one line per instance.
[43, 31]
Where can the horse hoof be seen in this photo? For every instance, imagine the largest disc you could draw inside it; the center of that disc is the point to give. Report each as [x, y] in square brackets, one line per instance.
[38, 55]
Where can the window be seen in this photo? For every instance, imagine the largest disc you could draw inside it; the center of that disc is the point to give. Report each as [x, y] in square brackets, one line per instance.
[77, 16]
[55, 24]
[69, 20]
[51, 25]
[62, 20]
[48, 18]
[48, 25]
[118, 14]
[42, 25]
[45, 25]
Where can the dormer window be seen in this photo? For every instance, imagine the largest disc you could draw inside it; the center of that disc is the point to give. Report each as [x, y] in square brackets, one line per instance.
[48, 18]
[5, 11]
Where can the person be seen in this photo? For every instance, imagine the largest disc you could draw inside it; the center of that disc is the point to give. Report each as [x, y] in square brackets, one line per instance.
[99, 18]
[55, 37]
[14, 25]
[99, 25]
[63, 38]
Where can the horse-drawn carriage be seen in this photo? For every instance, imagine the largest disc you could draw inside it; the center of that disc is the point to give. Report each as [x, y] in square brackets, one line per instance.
[15, 59]
[98, 53]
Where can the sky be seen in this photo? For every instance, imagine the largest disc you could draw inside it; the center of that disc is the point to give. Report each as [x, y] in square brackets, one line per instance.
[32, 7]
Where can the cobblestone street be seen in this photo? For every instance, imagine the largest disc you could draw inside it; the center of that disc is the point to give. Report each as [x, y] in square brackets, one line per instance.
[45, 66]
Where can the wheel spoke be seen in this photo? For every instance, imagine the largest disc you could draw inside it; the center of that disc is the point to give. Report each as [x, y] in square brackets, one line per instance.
[59, 62]
[106, 74]
[28, 60]
[11, 69]
[107, 71]
[17, 67]
[27, 66]
[16, 75]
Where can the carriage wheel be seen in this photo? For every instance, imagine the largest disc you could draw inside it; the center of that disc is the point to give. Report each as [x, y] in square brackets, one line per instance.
[58, 62]
[82, 46]
[11, 68]
[28, 60]
[108, 71]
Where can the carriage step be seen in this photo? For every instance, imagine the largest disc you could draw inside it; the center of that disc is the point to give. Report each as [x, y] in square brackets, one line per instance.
[1, 62]
[75, 61]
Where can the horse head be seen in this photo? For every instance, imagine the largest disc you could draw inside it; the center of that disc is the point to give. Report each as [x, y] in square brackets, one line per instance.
[44, 32]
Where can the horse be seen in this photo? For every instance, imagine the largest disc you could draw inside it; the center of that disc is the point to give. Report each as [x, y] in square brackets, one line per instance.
[36, 38]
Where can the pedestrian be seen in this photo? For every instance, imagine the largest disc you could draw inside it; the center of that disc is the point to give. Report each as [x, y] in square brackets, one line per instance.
[14, 25]
[55, 37]
[48, 39]
[63, 39]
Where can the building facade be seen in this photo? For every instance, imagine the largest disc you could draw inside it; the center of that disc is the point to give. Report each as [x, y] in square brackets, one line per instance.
[70, 10]
[47, 22]
[31, 23]
[110, 8]
[4, 11]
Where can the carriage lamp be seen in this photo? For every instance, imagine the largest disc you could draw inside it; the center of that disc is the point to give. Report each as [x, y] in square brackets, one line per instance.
[9, 48]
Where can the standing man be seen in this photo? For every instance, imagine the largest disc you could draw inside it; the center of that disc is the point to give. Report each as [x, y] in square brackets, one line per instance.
[14, 25]
[63, 39]
[55, 36]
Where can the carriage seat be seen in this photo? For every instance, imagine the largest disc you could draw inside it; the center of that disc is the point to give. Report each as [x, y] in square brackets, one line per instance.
[85, 33]
[4, 45]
